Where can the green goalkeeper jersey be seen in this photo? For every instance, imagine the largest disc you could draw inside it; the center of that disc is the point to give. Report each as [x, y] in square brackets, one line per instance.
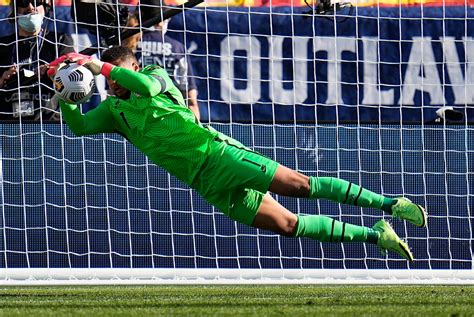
[155, 119]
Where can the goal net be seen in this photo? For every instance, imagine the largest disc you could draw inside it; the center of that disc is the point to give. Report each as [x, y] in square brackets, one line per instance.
[352, 94]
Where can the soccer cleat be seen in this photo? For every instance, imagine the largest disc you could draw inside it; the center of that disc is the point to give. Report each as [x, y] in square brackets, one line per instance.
[389, 240]
[411, 212]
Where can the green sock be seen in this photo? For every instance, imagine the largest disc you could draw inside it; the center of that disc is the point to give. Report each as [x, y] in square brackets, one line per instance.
[327, 229]
[344, 192]
[387, 204]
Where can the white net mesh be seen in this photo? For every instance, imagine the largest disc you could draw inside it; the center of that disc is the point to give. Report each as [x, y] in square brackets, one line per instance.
[353, 97]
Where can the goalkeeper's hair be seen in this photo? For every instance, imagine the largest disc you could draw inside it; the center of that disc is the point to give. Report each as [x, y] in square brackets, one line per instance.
[117, 53]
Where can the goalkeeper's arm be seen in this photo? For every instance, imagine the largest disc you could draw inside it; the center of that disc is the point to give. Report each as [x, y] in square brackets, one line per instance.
[97, 120]
[142, 84]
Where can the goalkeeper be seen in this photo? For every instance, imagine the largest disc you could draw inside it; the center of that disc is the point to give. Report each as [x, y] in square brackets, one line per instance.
[150, 112]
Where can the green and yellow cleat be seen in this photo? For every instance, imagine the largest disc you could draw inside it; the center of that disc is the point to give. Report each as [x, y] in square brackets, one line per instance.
[389, 240]
[411, 212]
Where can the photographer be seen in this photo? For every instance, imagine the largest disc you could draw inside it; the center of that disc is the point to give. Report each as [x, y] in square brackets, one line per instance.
[26, 92]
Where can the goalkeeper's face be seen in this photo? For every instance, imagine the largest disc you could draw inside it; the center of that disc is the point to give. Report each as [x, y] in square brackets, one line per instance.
[118, 90]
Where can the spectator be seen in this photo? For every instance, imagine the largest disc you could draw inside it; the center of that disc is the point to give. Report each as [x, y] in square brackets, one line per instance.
[103, 19]
[132, 41]
[157, 48]
[25, 53]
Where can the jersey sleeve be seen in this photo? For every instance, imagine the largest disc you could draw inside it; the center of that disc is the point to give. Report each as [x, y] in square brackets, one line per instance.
[97, 120]
[149, 82]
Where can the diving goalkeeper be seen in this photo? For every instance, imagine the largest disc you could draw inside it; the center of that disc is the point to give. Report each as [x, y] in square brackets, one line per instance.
[150, 112]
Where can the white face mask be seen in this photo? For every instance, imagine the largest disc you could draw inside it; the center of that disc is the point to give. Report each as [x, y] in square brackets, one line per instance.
[31, 22]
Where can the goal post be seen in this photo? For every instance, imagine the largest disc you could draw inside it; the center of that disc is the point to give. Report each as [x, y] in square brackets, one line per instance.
[353, 97]
[121, 276]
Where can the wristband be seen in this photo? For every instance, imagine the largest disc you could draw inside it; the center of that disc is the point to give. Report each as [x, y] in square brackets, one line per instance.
[106, 69]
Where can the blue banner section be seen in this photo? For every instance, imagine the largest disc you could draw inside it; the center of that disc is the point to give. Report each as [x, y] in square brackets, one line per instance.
[80, 202]
[387, 65]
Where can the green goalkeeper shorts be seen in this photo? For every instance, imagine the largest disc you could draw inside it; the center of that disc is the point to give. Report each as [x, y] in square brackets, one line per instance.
[234, 179]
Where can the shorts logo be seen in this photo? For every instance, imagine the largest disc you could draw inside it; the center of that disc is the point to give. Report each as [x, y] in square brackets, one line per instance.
[262, 167]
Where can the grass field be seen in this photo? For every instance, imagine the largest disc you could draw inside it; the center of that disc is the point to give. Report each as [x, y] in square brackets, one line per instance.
[291, 300]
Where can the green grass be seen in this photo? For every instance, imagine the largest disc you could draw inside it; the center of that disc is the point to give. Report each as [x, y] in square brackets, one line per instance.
[288, 300]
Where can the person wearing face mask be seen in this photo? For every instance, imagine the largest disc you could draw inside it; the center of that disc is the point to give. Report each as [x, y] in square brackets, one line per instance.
[25, 54]
[156, 48]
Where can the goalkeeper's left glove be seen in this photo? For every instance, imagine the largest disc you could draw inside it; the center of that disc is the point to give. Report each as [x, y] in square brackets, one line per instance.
[59, 62]
[96, 66]
[93, 64]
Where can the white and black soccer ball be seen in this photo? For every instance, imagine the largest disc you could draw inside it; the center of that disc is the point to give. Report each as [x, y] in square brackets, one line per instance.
[74, 83]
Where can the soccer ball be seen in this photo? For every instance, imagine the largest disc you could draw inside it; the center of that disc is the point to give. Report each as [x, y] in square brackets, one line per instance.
[74, 83]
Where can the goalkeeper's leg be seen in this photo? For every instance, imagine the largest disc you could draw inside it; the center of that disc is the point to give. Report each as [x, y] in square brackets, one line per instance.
[291, 183]
[273, 216]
